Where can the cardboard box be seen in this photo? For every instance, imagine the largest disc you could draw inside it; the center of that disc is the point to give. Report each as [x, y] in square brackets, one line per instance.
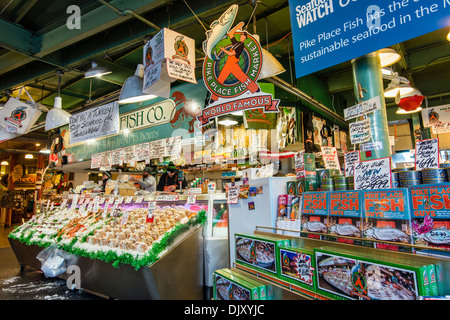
[297, 266]
[227, 286]
[258, 252]
[386, 216]
[263, 291]
[345, 216]
[314, 213]
[343, 274]
[430, 215]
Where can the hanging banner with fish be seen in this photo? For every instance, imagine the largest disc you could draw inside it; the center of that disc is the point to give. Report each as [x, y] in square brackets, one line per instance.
[430, 215]
[231, 69]
[386, 216]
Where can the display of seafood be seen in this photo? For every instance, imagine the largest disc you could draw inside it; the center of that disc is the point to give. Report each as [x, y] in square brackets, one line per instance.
[131, 232]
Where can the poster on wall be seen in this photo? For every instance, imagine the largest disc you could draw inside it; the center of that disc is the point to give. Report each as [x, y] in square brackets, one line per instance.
[330, 158]
[427, 154]
[360, 131]
[328, 32]
[438, 118]
[373, 174]
[350, 158]
[230, 75]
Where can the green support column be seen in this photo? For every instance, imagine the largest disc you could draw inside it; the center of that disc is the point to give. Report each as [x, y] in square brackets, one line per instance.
[368, 83]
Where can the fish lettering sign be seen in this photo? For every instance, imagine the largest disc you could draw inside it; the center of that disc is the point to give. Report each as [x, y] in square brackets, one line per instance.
[231, 69]
[427, 154]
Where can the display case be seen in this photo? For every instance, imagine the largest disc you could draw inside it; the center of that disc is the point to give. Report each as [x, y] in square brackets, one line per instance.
[145, 247]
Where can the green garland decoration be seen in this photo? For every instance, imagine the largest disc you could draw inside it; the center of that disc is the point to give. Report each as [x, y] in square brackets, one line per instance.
[110, 256]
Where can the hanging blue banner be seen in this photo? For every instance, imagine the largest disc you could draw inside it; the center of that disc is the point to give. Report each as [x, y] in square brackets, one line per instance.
[329, 32]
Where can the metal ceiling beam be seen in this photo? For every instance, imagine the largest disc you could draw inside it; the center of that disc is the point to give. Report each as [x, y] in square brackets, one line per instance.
[24, 10]
[18, 39]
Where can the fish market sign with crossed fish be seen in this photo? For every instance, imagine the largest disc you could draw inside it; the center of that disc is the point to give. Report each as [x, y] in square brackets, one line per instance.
[231, 69]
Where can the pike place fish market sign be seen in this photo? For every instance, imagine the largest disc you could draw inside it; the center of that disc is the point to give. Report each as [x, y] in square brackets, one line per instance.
[231, 68]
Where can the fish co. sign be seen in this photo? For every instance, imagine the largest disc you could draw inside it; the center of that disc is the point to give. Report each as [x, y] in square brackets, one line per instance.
[231, 69]
[153, 115]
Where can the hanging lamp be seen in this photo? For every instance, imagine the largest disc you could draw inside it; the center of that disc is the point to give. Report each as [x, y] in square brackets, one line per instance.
[56, 116]
[132, 88]
[96, 71]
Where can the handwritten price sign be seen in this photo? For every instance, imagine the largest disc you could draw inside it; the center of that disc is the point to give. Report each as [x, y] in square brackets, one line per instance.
[373, 174]
[349, 162]
[330, 158]
[427, 154]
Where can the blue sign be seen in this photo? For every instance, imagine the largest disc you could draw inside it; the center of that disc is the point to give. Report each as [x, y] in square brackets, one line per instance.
[329, 32]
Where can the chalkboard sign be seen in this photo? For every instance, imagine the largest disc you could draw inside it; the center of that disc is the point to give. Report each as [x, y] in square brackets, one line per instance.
[373, 174]
[94, 123]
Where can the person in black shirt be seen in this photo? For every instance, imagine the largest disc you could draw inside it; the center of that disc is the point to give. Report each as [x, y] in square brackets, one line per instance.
[105, 177]
[169, 179]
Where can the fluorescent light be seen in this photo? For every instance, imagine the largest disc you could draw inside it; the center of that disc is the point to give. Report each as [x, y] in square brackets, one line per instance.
[45, 150]
[132, 88]
[96, 71]
[29, 156]
[388, 57]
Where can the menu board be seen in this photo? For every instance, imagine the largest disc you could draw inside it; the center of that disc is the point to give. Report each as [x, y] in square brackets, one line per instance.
[96, 160]
[142, 151]
[117, 157]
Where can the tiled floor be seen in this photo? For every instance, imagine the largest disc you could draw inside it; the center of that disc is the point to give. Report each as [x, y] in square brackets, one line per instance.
[30, 284]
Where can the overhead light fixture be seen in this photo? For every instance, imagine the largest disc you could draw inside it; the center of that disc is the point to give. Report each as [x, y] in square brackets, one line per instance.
[132, 88]
[270, 66]
[388, 57]
[45, 150]
[96, 71]
[29, 156]
[227, 122]
[57, 117]
[4, 163]
[395, 89]
[410, 103]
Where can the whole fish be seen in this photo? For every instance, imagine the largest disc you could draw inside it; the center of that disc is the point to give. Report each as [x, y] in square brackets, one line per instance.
[219, 28]
[314, 226]
[344, 229]
[438, 236]
[386, 233]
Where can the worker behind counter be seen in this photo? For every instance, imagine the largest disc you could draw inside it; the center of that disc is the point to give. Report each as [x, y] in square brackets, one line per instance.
[148, 182]
[105, 177]
[169, 179]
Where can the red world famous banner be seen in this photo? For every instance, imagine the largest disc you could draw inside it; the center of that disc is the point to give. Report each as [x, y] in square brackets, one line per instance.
[254, 102]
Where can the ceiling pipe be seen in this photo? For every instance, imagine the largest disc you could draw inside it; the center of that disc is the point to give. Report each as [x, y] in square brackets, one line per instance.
[303, 96]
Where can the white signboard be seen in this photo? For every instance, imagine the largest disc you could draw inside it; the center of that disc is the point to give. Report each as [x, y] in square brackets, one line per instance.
[360, 131]
[427, 154]
[96, 160]
[362, 108]
[128, 154]
[142, 151]
[94, 123]
[350, 158]
[373, 174]
[439, 115]
[117, 157]
[233, 194]
[330, 158]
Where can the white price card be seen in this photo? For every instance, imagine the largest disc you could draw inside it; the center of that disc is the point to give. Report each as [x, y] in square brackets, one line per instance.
[151, 211]
[191, 198]
[139, 199]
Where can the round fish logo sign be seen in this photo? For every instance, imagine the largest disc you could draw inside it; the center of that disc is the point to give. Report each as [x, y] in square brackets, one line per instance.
[234, 67]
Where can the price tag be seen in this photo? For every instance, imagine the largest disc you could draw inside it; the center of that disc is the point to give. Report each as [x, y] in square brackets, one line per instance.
[51, 206]
[128, 199]
[48, 204]
[111, 200]
[89, 206]
[151, 211]
[191, 198]
[105, 209]
[116, 204]
[139, 199]
[74, 202]
[102, 200]
[120, 199]
[82, 210]
[63, 204]
[167, 197]
[125, 218]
